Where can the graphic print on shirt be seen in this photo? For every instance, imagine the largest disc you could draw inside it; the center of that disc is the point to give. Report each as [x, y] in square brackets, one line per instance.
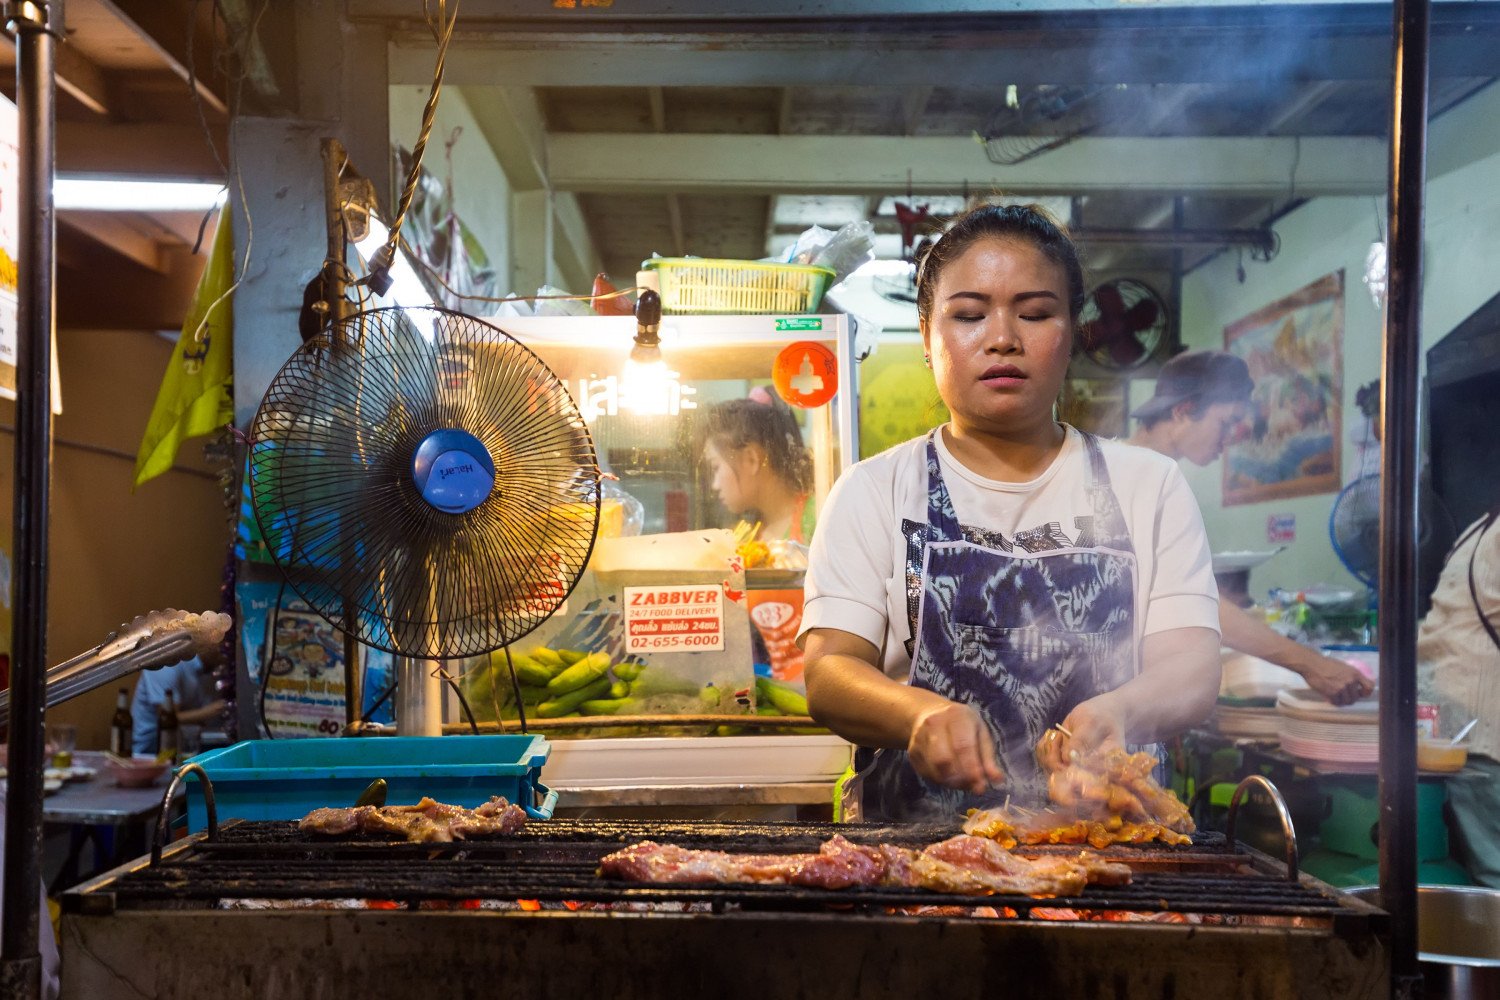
[1020, 632]
[1048, 537]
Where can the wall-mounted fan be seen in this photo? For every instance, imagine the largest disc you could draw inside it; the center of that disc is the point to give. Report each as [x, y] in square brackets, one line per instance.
[1123, 323]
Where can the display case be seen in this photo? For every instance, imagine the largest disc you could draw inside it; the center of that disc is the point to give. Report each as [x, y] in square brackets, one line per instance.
[686, 610]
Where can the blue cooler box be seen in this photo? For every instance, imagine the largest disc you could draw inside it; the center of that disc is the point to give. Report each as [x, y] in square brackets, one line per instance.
[287, 779]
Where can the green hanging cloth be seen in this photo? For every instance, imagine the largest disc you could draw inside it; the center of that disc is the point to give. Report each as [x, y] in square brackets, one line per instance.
[196, 395]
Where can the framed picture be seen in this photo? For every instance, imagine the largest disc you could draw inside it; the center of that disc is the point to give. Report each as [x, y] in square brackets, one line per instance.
[1294, 348]
[1097, 405]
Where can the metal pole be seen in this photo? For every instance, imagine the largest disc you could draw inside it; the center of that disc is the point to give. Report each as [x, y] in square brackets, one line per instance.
[1400, 382]
[20, 953]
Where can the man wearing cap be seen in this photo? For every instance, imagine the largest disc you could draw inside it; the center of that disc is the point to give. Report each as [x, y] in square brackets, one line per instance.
[1201, 398]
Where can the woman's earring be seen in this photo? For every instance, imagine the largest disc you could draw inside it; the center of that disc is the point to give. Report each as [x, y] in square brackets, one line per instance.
[927, 360]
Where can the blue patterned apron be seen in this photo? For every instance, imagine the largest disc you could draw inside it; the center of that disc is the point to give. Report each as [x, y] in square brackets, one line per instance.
[1022, 628]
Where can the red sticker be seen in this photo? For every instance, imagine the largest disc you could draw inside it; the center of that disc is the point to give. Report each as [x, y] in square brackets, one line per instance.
[806, 374]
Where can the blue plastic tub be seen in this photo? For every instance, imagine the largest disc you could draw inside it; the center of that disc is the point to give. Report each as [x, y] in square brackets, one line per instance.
[287, 779]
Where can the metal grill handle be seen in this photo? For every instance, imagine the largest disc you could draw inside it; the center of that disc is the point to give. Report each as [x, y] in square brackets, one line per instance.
[1287, 831]
[164, 820]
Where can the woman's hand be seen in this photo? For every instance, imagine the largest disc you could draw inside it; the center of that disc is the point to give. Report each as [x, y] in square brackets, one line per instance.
[951, 745]
[1096, 724]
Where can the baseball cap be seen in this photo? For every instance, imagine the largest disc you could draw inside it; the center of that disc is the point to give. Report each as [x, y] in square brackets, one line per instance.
[1209, 376]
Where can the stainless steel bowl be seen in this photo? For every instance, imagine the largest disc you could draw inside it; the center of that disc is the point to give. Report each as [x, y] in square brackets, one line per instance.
[1458, 936]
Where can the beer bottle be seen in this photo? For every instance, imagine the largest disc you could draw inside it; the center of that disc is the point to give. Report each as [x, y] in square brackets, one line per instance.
[122, 727]
[167, 730]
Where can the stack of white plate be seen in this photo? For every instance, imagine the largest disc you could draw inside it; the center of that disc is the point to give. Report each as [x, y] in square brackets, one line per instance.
[1247, 722]
[1311, 727]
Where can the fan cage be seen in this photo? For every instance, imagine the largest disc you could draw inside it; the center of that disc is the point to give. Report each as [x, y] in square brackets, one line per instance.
[332, 491]
[1096, 351]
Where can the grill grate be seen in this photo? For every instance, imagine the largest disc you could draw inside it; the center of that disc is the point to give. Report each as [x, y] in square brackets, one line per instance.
[556, 862]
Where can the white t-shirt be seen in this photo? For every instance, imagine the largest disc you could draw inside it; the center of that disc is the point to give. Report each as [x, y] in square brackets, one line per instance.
[856, 576]
[1458, 666]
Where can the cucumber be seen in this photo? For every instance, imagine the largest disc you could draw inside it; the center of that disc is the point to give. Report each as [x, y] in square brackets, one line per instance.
[619, 689]
[528, 671]
[571, 656]
[784, 699]
[565, 704]
[628, 670]
[609, 706]
[587, 670]
[547, 658]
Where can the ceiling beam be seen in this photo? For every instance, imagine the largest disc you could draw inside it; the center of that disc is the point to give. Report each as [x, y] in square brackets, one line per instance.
[112, 230]
[165, 27]
[913, 105]
[658, 103]
[674, 223]
[143, 149]
[1308, 97]
[784, 111]
[79, 77]
[512, 122]
[764, 164]
[1162, 43]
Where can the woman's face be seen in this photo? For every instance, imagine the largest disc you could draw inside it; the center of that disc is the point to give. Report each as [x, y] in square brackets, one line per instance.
[1000, 336]
[732, 473]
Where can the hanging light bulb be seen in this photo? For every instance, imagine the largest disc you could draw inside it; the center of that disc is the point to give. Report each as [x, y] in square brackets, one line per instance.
[647, 387]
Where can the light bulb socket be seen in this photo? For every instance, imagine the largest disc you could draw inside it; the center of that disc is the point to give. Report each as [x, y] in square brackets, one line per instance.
[647, 319]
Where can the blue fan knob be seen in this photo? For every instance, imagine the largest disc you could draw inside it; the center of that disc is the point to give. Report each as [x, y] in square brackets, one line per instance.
[453, 470]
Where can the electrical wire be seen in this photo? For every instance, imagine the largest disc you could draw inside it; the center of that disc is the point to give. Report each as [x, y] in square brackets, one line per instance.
[442, 26]
[515, 685]
[462, 701]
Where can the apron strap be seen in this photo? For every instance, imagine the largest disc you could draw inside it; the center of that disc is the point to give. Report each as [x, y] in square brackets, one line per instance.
[940, 513]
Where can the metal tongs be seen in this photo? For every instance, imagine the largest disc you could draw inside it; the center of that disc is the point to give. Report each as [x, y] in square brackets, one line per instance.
[158, 639]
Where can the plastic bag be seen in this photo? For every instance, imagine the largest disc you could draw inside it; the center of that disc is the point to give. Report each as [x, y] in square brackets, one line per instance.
[842, 252]
[560, 307]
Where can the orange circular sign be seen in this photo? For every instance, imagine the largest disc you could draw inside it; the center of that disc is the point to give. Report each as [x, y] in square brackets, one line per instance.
[806, 374]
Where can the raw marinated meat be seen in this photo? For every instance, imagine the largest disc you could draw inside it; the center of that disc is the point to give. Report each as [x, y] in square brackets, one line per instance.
[1102, 798]
[964, 865]
[425, 822]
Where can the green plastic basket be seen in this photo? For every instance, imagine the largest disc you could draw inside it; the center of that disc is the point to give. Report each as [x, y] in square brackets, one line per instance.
[707, 286]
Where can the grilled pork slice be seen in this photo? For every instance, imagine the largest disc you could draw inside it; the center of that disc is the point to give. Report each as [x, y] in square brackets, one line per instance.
[425, 822]
[971, 866]
[837, 865]
[976, 866]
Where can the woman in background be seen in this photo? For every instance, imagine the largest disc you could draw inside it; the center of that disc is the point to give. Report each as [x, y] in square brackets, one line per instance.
[761, 470]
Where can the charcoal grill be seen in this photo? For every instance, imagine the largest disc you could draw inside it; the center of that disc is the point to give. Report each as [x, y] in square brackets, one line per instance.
[273, 912]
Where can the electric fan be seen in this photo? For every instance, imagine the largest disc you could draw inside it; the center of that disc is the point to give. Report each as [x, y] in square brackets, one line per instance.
[425, 482]
[1122, 323]
[1354, 528]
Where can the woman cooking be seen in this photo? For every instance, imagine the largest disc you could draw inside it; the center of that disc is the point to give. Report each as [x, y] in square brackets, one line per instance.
[1013, 571]
[761, 470]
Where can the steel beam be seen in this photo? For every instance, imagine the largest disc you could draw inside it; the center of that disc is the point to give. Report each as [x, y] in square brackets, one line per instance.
[833, 43]
[1401, 387]
[37, 26]
[765, 164]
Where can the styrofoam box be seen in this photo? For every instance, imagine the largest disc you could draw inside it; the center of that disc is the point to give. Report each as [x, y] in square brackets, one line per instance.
[691, 760]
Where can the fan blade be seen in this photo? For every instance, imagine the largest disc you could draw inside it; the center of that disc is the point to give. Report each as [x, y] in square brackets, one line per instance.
[1110, 302]
[1142, 315]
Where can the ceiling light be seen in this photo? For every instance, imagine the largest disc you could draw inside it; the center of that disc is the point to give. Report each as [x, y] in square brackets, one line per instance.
[111, 194]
